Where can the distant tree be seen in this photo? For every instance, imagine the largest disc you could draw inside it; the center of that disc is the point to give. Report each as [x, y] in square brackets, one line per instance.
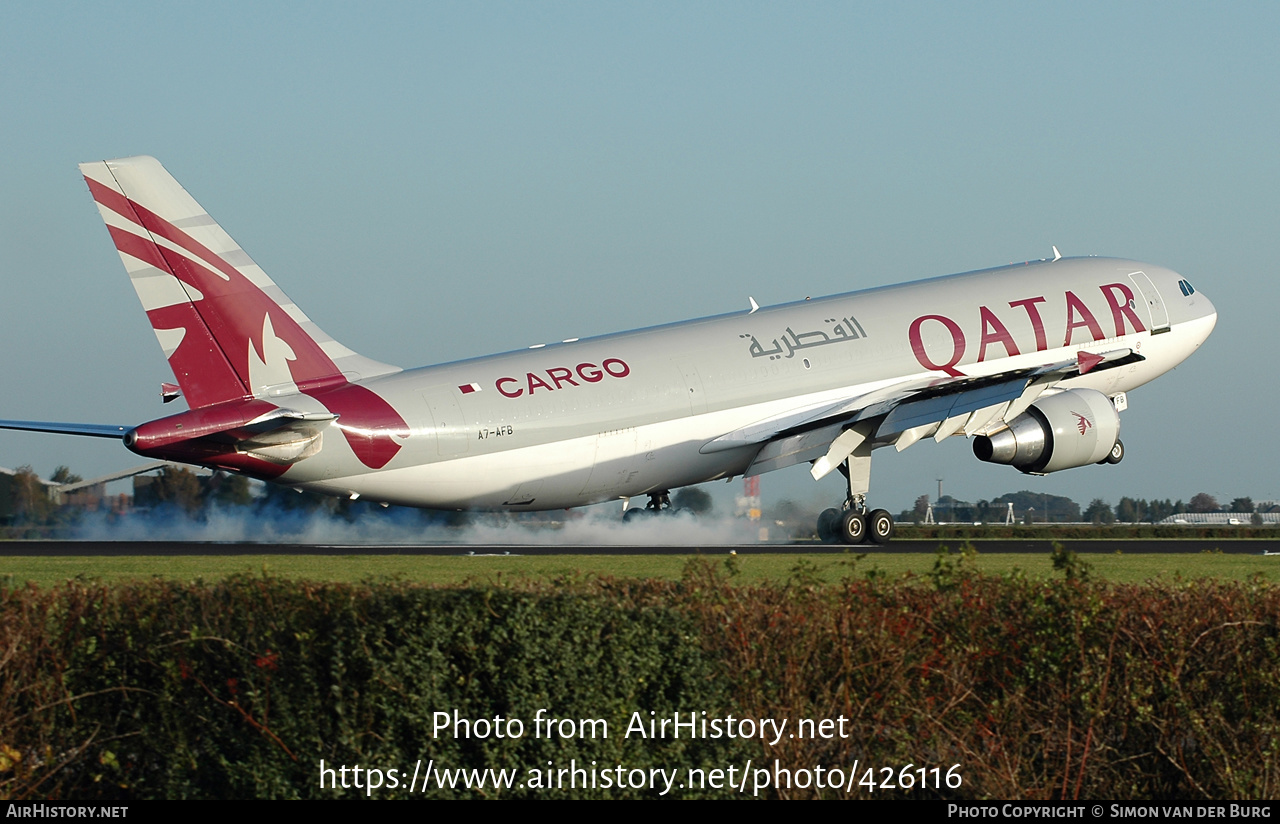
[996, 512]
[1241, 505]
[1131, 511]
[920, 509]
[226, 489]
[64, 475]
[1099, 513]
[799, 520]
[1256, 519]
[791, 512]
[1203, 502]
[1047, 507]
[31, 504]
[951, 509]
[180, 488]
[693, 499]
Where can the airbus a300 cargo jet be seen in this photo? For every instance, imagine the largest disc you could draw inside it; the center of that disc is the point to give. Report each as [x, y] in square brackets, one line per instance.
[1031, 362]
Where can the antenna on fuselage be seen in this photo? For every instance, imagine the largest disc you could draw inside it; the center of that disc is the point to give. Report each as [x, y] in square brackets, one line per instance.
[1056, 254]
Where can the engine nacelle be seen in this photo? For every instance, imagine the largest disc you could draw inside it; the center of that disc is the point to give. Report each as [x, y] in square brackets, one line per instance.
[1068, 429]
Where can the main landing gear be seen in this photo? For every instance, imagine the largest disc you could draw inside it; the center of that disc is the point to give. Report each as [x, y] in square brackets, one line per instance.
[852, 523]
[659, 502]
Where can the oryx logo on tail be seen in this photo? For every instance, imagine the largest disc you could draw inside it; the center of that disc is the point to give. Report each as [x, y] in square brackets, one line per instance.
[229, 332]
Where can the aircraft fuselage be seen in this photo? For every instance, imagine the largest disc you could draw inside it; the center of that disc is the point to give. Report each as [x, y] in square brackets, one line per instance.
[621, 415]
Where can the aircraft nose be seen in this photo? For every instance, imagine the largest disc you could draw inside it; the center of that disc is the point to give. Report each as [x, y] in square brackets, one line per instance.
[1208, 313]
[1196, 306]
[1207, 309]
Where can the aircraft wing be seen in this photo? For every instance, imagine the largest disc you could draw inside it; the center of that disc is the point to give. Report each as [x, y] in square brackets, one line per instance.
[903, 413]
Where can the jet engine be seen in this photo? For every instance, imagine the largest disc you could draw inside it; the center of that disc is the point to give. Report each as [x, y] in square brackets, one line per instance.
[1073, 428]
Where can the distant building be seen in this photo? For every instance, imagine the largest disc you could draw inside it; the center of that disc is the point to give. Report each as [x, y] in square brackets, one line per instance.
[7, 503]
[89, 496]
[10, 492]
[1220, 519]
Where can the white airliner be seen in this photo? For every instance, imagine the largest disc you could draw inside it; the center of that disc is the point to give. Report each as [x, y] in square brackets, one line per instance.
[1032, 362]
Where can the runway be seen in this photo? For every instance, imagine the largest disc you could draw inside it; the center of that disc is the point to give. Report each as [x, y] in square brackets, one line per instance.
[51, 549]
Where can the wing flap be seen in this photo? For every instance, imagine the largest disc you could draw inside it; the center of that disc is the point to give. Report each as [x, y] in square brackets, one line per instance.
[794, 449]
[911, 414]
[813, 416]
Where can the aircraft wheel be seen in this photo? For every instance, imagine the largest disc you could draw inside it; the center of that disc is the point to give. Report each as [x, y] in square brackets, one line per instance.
[853, 527]
[880, 525]
[1117, 453]
[829, 526]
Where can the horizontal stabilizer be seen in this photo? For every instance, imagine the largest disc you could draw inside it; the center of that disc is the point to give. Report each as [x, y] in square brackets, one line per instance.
[92, 430]
[116, 476]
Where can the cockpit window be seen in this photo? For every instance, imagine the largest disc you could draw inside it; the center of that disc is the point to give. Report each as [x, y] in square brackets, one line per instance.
[1186, 287]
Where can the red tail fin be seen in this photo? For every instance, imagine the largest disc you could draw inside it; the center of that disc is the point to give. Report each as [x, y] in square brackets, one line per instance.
[228, 331]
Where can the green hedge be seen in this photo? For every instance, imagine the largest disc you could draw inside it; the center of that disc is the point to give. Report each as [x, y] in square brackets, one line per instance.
[238, 689]
[1036, 689]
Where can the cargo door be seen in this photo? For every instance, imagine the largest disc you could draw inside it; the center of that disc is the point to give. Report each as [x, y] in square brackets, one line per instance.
[453, 434]
[1156, 310]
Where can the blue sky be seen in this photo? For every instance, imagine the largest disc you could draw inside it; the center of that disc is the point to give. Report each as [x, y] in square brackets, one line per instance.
[433, 181]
